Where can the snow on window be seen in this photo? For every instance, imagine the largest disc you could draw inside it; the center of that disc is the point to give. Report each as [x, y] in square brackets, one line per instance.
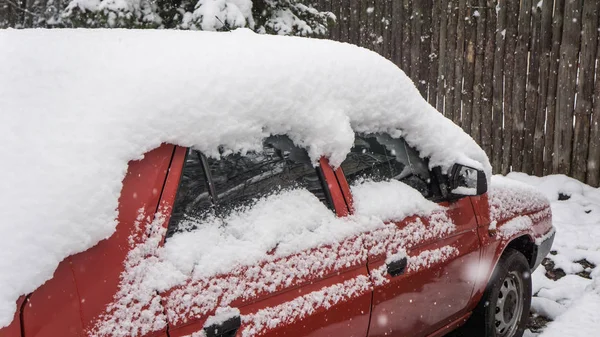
[83, 115]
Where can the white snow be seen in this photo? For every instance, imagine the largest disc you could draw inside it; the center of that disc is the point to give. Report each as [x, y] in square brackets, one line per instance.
[73, 116]
[573, 301]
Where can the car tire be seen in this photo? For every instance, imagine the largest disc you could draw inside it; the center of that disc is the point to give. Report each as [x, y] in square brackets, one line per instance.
[503, 310]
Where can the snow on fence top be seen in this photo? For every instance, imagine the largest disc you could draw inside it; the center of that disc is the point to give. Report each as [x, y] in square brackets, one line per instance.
[77, 105]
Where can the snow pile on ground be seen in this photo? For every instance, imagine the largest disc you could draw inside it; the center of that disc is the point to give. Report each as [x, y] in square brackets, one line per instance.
[73, 116]
[572, 301]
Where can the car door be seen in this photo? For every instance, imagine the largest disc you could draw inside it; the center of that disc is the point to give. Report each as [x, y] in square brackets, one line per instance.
[315, 290]
[423, 267]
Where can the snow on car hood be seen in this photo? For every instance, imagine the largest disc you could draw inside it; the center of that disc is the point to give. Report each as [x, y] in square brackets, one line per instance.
[76, 113]
[509, 198]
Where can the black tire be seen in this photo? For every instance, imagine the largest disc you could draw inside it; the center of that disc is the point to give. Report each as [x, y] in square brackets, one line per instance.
[503, 310]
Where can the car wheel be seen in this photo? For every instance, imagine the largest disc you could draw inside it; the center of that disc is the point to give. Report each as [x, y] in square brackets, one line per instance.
[504, 308]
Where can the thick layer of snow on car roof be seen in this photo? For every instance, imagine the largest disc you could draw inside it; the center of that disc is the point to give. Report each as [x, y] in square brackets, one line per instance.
[77, 105]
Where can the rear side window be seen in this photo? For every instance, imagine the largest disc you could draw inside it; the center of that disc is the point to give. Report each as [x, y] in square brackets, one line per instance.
[211, 186]
[380, 157]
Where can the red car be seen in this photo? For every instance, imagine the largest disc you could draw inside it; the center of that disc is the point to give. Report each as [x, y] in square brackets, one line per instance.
[464, 265]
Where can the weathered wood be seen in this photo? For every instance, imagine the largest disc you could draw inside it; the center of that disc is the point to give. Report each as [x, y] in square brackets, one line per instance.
[488, 65]
[519, 81]
[450, 57]
[436, 19]
[386, 29]
[593, 164]
[557, 27]
[567, 81]
[459, 54]
[343, 20]
[441, 78]
[334, 7]
[415, 45]
[424, 59]
[585, 89]
[397, 24]
[498, 88]
[406, 9]
[532, 90]
[354, 22]
[545, 50]
[512, 8]
[470, 29]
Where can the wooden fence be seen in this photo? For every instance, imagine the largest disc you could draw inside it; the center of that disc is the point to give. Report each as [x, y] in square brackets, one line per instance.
[522, 77]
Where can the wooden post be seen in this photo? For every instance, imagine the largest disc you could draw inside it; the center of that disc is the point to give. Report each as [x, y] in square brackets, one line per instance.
[593, 164]
[386, 29]
[540, 124]
[436, 17]
[450, 57]
[426, 32]
[415, 45]
[488, 65]
[354, 25]
[459, 54]
[567, 81]
[397, 24]
[512, 8]
[498, 88]
[467, 89]
[532, 91]
[557, 27]
[441, 79]
[520, 78]
[406, 36]
[477, 114]
[585, 89]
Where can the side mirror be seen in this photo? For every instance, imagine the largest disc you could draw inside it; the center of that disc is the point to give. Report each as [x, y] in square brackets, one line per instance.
[465, 181]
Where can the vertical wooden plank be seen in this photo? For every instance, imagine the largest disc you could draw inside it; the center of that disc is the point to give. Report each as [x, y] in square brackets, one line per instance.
[459, 54]
[520, 77]
[470, 29]
[386, 29]
[540, 121]
[557, 28]
[343, 19]
[436, 18]
[426, 33]
[334, 32]
[480, 15]
[369, 24]
[441, 79]
[585, 89]
[498, 87]
[512, 13]
[450, 55]
[488, 65]
[415, 45]
[354, 24]
[567, 81]
[406, 9]
[593, 166]
[397, 22]
[363, 19]
[532, 89]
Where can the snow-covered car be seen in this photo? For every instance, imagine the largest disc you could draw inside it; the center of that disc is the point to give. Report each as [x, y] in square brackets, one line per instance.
[307, 190]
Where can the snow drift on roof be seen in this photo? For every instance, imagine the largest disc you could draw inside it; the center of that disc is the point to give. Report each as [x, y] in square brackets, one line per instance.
[77, 105]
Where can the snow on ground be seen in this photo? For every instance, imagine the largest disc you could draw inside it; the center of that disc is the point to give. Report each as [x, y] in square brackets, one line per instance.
[572, 301]
[76, 114]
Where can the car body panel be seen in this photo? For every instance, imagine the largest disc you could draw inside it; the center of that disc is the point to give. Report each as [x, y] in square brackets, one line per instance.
[341, 289]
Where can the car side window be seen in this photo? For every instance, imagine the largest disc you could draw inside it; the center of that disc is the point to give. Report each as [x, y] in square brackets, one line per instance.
[211, 186]
[381, 157]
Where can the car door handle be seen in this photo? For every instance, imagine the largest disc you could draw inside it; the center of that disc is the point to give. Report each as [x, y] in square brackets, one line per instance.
[397, 267]
[227, 328]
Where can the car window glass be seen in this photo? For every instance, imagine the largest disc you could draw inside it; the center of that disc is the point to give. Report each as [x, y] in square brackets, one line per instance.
[237, 180]
[381, 157]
